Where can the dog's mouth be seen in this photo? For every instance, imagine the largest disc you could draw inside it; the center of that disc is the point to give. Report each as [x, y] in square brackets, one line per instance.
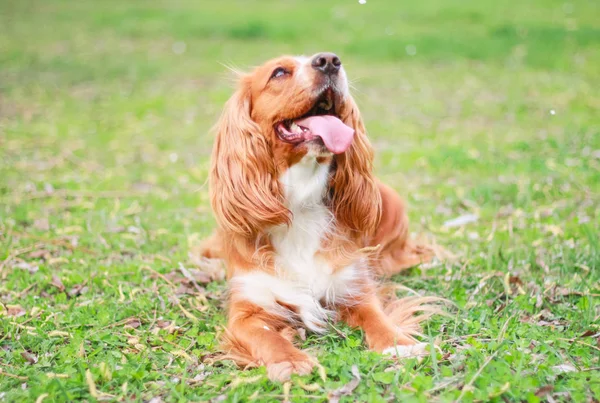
[321, 123]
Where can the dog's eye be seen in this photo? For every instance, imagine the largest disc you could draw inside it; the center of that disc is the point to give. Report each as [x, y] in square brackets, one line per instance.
[279, 72]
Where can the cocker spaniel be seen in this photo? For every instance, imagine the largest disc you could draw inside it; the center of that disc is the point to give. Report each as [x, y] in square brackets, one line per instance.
[304, 227]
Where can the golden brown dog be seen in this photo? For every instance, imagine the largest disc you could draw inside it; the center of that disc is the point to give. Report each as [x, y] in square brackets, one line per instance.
[303, 225]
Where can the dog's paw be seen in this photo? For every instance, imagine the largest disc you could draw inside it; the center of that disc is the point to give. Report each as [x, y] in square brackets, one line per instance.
[281, 371]
[408, 351]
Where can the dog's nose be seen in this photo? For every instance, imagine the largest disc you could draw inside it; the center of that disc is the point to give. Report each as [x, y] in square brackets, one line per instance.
[327, 63]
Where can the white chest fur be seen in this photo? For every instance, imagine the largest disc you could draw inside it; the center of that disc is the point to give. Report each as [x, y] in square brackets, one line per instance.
[302, 280]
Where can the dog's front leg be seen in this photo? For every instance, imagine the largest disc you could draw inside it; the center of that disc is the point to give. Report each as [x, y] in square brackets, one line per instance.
[256, 334]
[381, 334]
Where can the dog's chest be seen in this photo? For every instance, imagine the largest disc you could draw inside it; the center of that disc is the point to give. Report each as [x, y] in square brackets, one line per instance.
[303, 282]
[296, 245]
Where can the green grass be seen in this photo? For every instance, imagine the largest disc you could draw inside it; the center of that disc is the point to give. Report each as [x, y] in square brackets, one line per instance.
[474, 107]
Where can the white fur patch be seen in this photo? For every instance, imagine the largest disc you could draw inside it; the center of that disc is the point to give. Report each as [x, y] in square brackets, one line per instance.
[302, 279]
[301, 74]
[415, 350]
[269, 292]
[301, 59]
[341, 84]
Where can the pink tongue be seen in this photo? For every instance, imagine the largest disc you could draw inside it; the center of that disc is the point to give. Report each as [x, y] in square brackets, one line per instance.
[335, 134]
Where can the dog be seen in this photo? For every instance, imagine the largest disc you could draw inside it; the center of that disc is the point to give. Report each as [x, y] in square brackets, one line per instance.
[304, 227]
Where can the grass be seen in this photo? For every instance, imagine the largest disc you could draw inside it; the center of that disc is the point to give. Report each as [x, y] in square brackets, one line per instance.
[474, 107]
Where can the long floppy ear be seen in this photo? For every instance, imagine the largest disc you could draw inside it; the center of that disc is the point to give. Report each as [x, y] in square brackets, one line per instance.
[244, 190]
[356, 200]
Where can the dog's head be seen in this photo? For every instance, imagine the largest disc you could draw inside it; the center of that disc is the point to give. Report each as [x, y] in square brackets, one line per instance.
[286, 109]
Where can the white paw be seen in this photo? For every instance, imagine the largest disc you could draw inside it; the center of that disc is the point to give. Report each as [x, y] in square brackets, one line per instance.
[414, 350]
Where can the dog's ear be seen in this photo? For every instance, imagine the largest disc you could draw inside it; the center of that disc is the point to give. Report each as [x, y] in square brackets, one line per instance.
[245, 193]
[355, 197]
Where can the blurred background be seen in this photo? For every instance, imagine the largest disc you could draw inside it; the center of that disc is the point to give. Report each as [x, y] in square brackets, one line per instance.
[484, 115]
[127, 91]
[120, 95]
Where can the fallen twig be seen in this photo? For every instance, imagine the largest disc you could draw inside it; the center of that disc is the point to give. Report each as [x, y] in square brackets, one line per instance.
[158, 274]
[21, 378]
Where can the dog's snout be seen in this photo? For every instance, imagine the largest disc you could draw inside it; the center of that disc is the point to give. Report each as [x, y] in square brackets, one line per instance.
[327, 63]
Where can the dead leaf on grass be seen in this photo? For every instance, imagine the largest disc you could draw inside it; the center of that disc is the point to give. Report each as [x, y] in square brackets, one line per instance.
[543, 318]
[505, 211]
[78, 289]
[214, 268]
[195, 275]
[31, 268]
[515, 280]
[185, 289]
[39, 254]
[557, 292]
[590, 332]
[347, 389]
[544, 390]
[564, 368]
[41, 224]
[163, 323]
[30, 358]
[15, 310]
[566, 292]
[540, 262]
[132, 323]
[539, 301]
[201, 376]
[133, 340]
[189, 276]
[167, 325]
[57, 282]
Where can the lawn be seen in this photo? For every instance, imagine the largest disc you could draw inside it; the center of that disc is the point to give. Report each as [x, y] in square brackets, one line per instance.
[488, 110]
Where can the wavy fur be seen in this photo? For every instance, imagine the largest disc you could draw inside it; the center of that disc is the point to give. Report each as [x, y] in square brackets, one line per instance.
[303, 232]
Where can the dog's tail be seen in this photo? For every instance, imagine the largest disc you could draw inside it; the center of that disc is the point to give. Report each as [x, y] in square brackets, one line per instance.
[408, 313]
